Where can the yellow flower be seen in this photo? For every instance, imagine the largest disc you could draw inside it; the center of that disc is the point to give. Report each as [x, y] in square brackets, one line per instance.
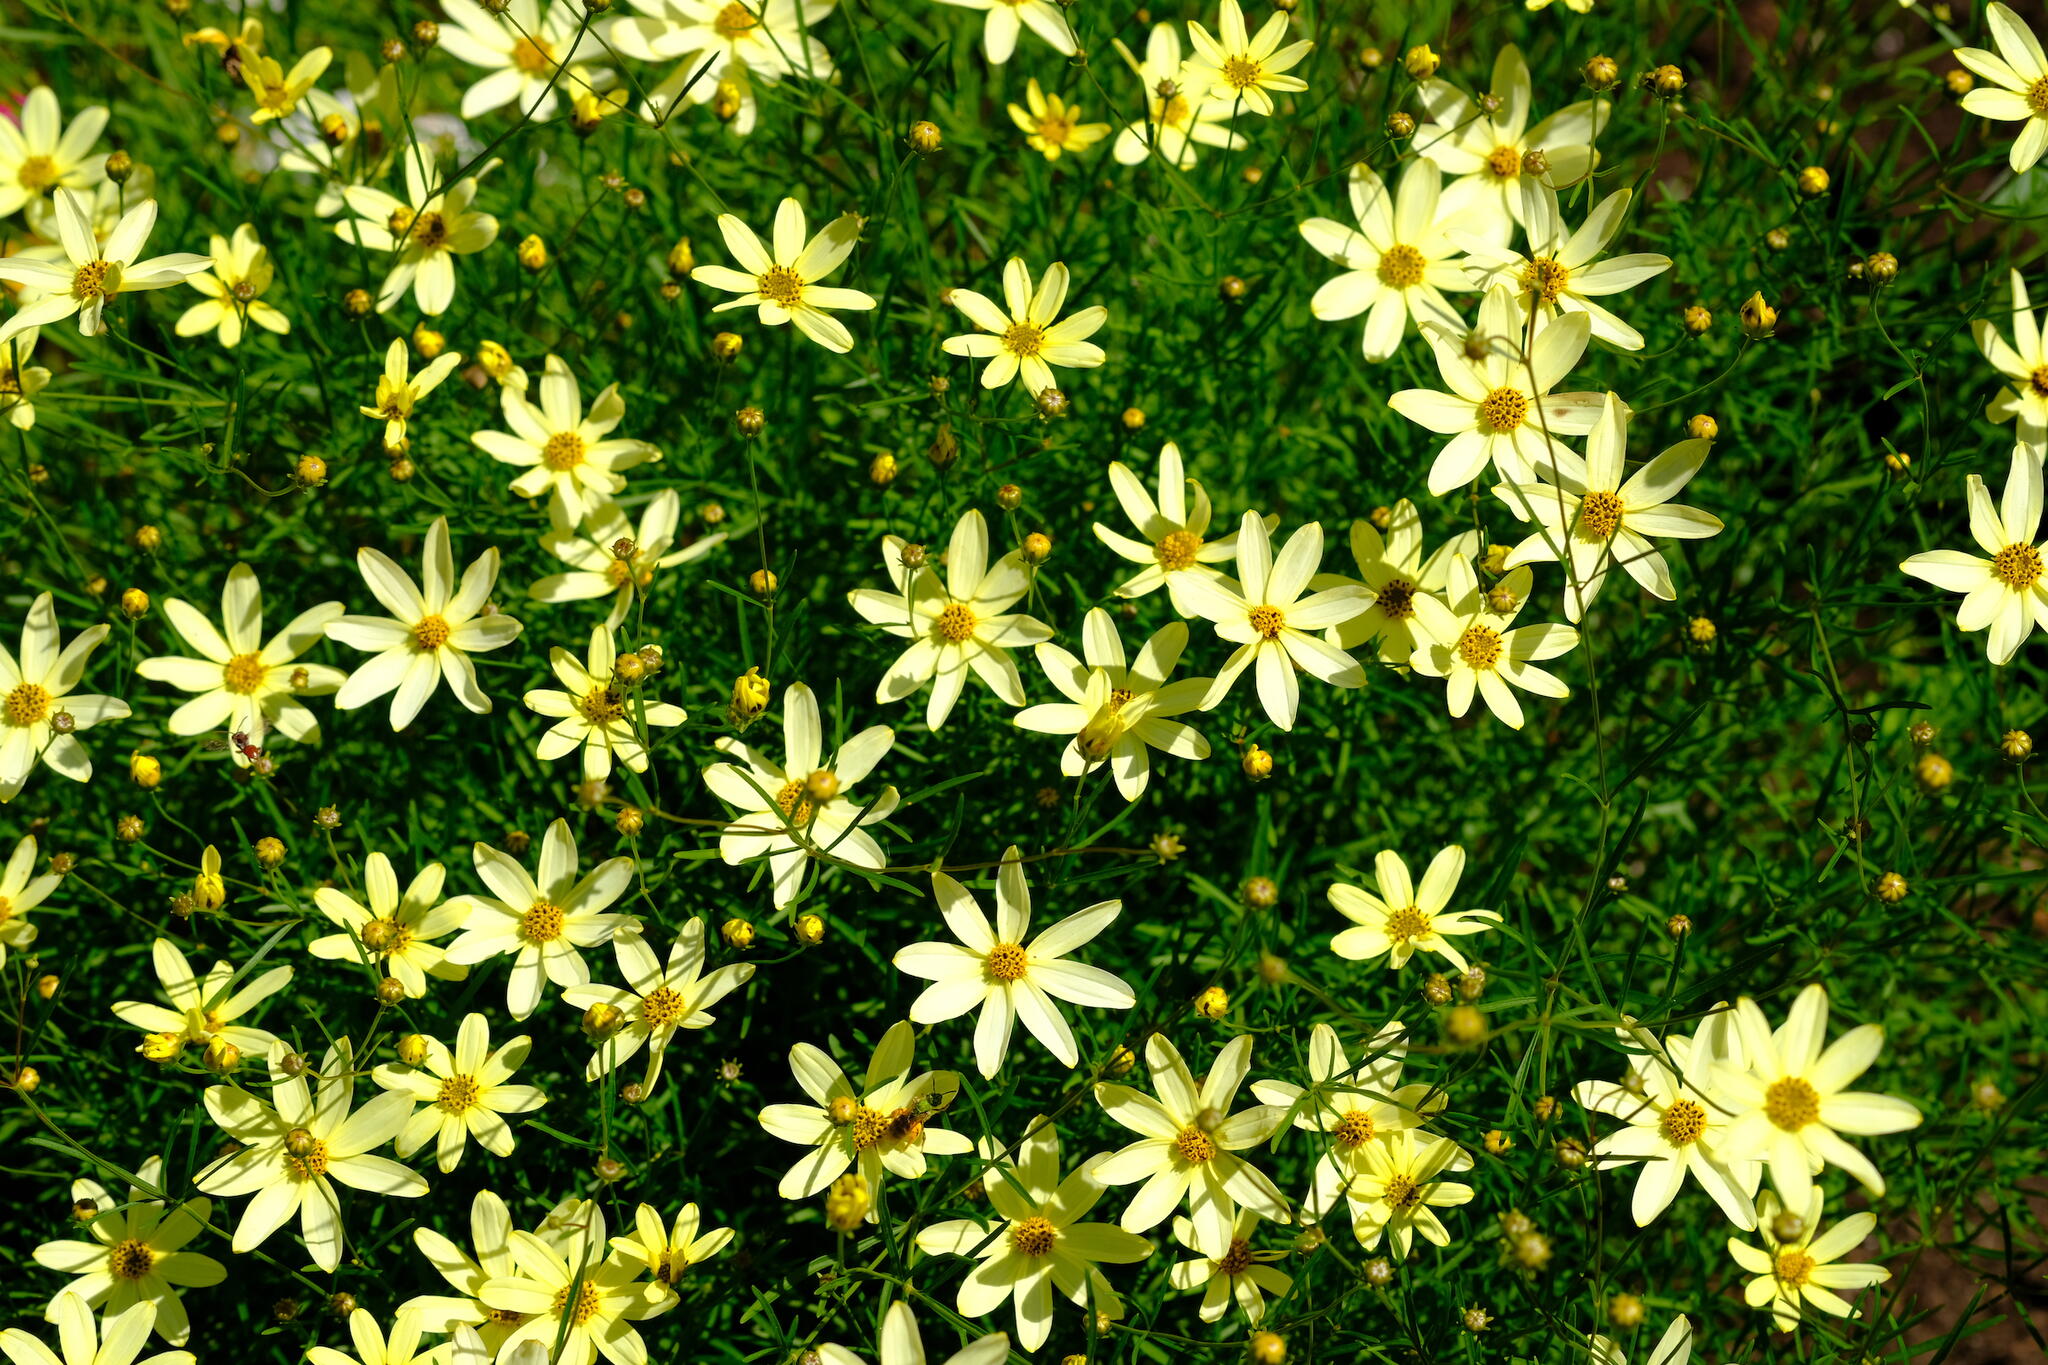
[462, 1094]
[1394, 1195]
[39, 154]
[399, 391]
[1804, 1270]
[136, 1254]
[202, 1010]
[1404, 919]
[1025, 337]
[20, 892]
[241, 273]
[278, 93]
[657, 1000]
[207, 887]
[596, 714]
[238, 679]
[1240, 1275]
[20, 381]
[609, 1294]
[82, 1342]
[783, 283]
[426, 230]
[1243, 67]
[2018, 73]
[669, 1254]
[1052, 125]
[394, 933]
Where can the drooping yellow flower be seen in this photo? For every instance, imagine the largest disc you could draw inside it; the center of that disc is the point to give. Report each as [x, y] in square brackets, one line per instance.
[278, 92]
[1052, 127]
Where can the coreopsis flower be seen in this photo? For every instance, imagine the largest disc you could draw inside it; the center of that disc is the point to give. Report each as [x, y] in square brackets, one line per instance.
[1025, 337]
[1475, 646]
[609, 1296]
[1673, 1348]
[463, 1094]
[1116, 710]
[1490, 153]
[1352, 1105]
[903, 1344]
[884, 1125]
[93, 273]
[782, 283]
[1036, 1244]
[1404, 919]
[491, 1234]
[568, 457]
[1594, 515]
[535, 58]
[20, 381]
[136, 1255]
[669, 1252]
[541, 924]
[1179, 110]
[20, 892]
[722, 47]
[399, 390]
[2025, 362]
[1051, 126]
[959, 627]
[804, 807]
[428, 636]
[402, 1347]
[1677, 1125]
[1244, 68]
[1802, 1272]
[1173, 527]
[81, 1339]
[37, 686]
[39, 153]
[2008, 591]
[1560, 271]
[1395, 571]
[278, 91]
[995, 970]
[656, 1000]
[595, 568]
[204, 1009]
[394, 933]
[1487, 407]
[243, 683]
[296, 1145]
[1397, 1193]
[233, 288]
[1269, 620]
[1240, 1275]
[425, 231]
[1397, 262]
[1005, 17]
[597, 714]
[2019, 73]
[1788, 1092]
[1188, 1145]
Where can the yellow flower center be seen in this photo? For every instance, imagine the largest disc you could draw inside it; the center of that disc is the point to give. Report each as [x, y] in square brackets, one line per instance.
[533, 56]
[1503, 410]
[780, 286]
[1195, 1146]
[870, 1126]
[1177, 550]
[429, 633]
[1600, 514]
[458, 1093]
[956, 622]
[27, 704]
[1057, 126]
[661, 1007]
[790, 801]
[1268, 621]
[1505, 162]
[1237, 1260]
[734, 20]
[2038, 379]
[244, 673]
[1682, 1123]
[542, 922]
[1402, 1193]
[1355, 1129]
[2037, 100]
[430, 230]
[586, 1303]
[1545, 278]
[1022, 339]
[1401, 267]
[1172, 111]
[96, 279]
[131, 1260]
[37, 174]
[1791, 1103]
[385, 936]
[6, 909]
[1034, 1236]
[563, 452]
[603, 704]
[2017, 566]
[624, 571]
[1242, 73]
[1397, 600]
[1479, 647]
[309, 1164]
[1006, 962]
[1407, 923]
[1793, 1268]
[1119, 698]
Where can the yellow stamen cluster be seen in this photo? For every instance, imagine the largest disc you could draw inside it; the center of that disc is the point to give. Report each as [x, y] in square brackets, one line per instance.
[1407, 923]
[1682, 1123]
[2017, 566]
[533, 55]
[1505, 162]
[1355, 1129]
[429, 633]
[1195, 1146]
[661, 1007]
[244, 673]
[1402, 1193]
[956, 622]
[1401, 267]
[780, 286]
[1479, 647]
[1793, 1268]
[1021, 339]
[458, 1093]
[94, 279]
[542, 922]
[1545, 277]
[1242, 73]
[1268, 621]
[1791, 1103]
[131, 1259]
[603, 704]
[1177, 550]
[1504, 409]
[735, 19]
[1007, 962]
[27, 704]
[587, 1303]
[563, 451]
[1034, 1236]
[1600, 514]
